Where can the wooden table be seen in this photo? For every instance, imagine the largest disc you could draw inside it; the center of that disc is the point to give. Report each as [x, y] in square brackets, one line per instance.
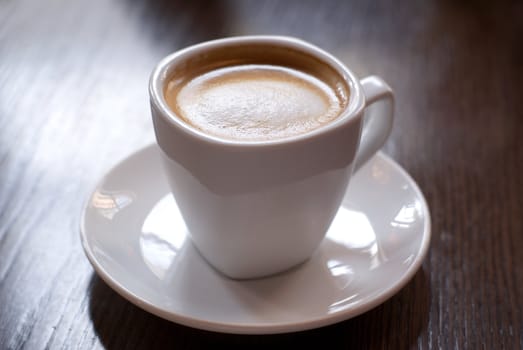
[73, 101]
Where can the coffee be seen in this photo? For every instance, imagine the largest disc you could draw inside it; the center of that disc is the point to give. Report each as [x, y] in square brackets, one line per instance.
[255, 199]
[250, 99]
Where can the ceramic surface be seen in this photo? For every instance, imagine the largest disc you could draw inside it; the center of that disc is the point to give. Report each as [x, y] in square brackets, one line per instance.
[136, 240]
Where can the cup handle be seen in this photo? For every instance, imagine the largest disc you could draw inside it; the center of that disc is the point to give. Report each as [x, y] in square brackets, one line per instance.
[379, 111]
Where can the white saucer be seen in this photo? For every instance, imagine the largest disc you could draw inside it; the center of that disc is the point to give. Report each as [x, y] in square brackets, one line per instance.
[135, 238]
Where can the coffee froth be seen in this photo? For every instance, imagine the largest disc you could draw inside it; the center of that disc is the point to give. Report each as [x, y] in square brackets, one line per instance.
[249, 101]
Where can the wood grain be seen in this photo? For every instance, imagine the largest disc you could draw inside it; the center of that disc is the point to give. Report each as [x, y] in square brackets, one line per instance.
[73, 101]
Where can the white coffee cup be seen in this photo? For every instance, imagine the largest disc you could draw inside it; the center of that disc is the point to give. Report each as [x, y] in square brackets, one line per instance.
[256, 208]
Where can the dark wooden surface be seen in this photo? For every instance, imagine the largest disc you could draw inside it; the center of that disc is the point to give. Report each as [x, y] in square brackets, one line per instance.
[73, 101]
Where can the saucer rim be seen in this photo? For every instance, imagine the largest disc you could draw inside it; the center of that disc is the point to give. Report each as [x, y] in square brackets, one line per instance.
[365, 305]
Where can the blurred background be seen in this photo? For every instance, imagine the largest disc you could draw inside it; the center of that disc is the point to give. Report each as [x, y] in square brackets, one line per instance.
[80, 64]
[73, 101]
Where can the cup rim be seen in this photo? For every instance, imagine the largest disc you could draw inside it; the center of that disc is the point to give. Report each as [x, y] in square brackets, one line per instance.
[160, 74]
